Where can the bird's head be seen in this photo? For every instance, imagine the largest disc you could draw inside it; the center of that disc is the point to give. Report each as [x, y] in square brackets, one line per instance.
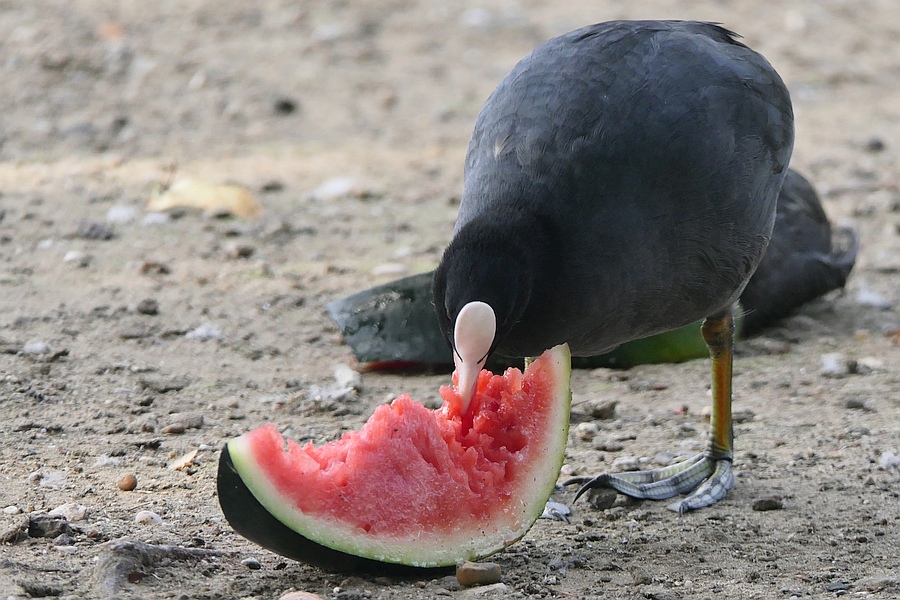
[479, 295]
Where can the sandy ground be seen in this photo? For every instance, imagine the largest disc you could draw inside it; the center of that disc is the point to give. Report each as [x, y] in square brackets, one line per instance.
[102, 102]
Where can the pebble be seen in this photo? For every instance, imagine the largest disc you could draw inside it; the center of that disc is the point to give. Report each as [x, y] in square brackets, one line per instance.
[608, 445]
[47, 526]
[92, 230]
[602, 498]
[71, 511]
[235, 250]
[859, 404]
[189, 420]
[334, 188]
[768, 503]
[347, 377]
[63, 539]
[626, 463]
[874, 144]
[135, 332]
[272, 186]
[11, 510]
[36, 347]
[152, 267]
[13, 528]
[640, 575]
[556, 511]
[889, 461]
[878, 583]
[586, 431]
[148, 306]
[162, 385]
[664, 458]
[147, 517]
[128, 482]
[834, 365]
[155, 218]
[300, 596]
[285, 106]
[252, 564]
[121, 214]
[499, 590]
[469, 574]
[173, 429]
[744, 415]
[77, 258]
[871, 299]
[204, 333]
[568, 470]
[604, 410]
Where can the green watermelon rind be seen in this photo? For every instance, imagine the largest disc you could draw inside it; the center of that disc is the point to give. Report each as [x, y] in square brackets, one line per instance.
[432, 552]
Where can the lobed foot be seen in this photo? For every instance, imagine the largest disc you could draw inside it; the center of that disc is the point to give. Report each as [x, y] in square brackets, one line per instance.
[705, 477]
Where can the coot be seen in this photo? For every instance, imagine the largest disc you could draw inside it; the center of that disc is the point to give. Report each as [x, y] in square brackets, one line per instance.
[621, 181]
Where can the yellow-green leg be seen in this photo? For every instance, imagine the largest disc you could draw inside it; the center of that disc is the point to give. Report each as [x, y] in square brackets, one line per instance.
[707, 477]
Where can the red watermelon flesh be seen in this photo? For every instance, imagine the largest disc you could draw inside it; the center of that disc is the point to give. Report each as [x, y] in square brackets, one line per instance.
[423, 487]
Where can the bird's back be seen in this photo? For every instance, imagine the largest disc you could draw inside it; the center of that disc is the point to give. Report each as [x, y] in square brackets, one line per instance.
[646, 157]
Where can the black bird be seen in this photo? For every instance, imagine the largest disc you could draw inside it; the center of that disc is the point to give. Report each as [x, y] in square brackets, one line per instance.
[621, 181]
[805, 259]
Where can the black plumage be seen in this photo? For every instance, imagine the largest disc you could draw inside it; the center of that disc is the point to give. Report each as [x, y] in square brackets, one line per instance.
[621, 181]
[804, 260]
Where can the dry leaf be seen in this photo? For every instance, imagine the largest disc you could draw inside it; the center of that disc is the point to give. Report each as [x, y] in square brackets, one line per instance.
[184, 462]
[211, 197]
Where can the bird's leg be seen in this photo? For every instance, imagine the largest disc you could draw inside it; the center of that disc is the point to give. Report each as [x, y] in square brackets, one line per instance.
[707, 476]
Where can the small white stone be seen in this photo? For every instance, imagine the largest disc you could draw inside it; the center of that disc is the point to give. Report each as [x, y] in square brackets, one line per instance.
[77, 258]
[71, 511]
[155, 218]
[347, 377]
[121, 213]
[834, 365]
[11, 510]
[889, 461]
[333, 188]
[204, 333]
[36, 347]
[872, 299]
[586, 431]
[556, 511]
[626, 463]
[147, 517]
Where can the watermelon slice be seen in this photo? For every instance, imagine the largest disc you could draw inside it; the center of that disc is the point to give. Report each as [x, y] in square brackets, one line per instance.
[416, 487]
